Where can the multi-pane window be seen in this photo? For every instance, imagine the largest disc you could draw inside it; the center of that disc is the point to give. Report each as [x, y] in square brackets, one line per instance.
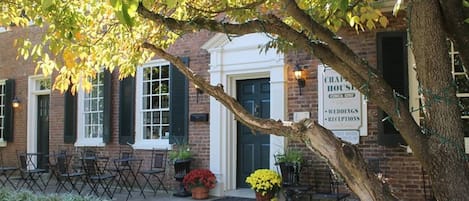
[2, 108]
[93, 106]
[461, 77]
[155, 102]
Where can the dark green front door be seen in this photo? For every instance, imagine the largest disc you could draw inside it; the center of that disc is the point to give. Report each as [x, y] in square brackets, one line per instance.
[253, 148]
[42, 127]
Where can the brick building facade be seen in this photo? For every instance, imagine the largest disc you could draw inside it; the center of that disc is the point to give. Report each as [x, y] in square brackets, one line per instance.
[401, 169]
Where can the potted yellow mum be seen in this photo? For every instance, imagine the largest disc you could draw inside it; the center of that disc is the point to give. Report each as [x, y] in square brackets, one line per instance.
[266, 183]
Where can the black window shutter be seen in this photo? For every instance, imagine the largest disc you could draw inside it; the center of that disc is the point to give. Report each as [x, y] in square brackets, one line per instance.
[178, 106]
[392, 61]
[127, 110]
[70, 117]
[8, 120]
[107, 106]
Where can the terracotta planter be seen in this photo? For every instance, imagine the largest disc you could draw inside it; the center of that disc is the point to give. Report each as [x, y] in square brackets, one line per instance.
[199, 193]
[267, 197]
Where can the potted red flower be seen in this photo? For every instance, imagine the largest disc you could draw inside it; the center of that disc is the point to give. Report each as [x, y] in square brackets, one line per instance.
[199, 182]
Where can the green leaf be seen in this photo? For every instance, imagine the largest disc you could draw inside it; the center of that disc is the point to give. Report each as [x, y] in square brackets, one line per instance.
[466, 20]
[47, 4]
[465, 3]
[132, 10]
[171, 3]
[343, 5]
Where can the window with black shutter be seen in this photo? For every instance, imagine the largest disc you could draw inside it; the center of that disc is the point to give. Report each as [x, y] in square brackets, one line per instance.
[7, 91]
[392, 61]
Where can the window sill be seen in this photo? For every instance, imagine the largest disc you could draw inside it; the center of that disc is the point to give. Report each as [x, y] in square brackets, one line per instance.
[3, 143]
[89, 143]
[152, 144]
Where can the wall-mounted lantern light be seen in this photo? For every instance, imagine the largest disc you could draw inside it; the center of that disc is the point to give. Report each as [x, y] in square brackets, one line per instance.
[15, 103]
[300, 76]
[198, 91]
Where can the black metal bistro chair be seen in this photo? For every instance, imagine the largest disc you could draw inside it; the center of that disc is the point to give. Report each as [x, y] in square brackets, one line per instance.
[31, 174]
[333, 191]
[97, 177]
[5, 173]
[157, 170]
[291, 186]
[66, 175]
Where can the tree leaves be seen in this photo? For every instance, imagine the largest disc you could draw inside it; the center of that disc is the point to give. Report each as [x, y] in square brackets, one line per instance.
[465, 3]
[125, 10]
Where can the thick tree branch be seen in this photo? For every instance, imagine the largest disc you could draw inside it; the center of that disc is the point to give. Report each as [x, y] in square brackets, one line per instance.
[454, 15]
[344, 157]
[276, 26]
[260, 124]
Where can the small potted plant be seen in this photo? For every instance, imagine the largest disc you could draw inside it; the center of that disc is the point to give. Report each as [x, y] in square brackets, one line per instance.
[199, 182]
[181, 158]
[266, 183]
[181, 153]
[290, 166]
[290, 156]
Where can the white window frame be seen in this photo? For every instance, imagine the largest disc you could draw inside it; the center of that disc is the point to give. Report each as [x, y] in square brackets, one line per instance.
[141, 143]
[452, 54]
[2, 110]
[81, 139]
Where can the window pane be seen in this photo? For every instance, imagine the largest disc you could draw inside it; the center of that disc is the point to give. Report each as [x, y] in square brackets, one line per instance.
[146, 103]
[165, 117]
[165, 71]
[147, 73]
[164, 86]
[155, 73]
[165, 132]
[147, 132]
[155, 102]
[466, 127]
[458, 67]
[465, 106]
[146, 118]
[462, 82]
[165, 101]
[156, 117]
[156, 132]
[155, 88]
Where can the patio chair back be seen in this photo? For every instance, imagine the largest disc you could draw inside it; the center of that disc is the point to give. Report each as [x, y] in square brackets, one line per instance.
[158, 160]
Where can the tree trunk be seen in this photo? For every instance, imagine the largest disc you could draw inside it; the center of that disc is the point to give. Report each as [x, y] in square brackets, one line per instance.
[444, 159]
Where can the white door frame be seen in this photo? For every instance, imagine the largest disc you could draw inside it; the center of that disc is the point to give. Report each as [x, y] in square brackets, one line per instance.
[232, 60]
[33, 93]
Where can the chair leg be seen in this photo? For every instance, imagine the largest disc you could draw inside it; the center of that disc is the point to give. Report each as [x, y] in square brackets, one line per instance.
[161, 184]
[147, 182]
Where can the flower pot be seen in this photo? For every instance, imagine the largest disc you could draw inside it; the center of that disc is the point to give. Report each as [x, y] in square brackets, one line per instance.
[267, 197]
[199, 193]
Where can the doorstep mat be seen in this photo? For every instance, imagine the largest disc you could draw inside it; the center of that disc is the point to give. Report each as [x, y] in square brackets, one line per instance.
[230, 198]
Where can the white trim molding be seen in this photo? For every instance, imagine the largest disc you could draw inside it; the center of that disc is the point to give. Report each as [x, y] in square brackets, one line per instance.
[238, 59]
[33, 92]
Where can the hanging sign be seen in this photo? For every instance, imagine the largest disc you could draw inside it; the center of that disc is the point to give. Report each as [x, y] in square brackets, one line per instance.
[341, 105]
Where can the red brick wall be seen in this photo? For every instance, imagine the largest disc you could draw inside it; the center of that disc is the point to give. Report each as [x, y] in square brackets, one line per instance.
[401, 169]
